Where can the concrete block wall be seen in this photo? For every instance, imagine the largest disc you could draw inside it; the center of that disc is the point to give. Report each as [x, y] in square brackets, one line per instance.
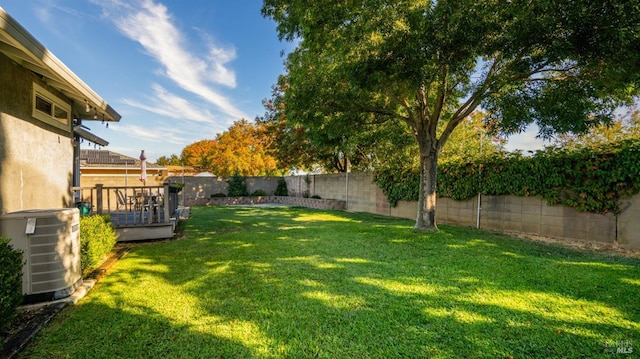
[328, 204]
[529, 215]
[628, 225]
[199, 188]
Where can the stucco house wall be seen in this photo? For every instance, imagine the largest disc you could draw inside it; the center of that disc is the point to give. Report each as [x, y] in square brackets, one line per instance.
[36, 159]
[42, 107]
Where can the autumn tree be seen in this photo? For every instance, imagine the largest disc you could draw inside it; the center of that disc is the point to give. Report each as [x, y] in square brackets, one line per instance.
[242, 149]
[564, 65]
[353, 145]
[288, 142]
[199, 154]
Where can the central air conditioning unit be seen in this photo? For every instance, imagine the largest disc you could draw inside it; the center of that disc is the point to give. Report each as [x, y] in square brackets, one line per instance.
[50, 241]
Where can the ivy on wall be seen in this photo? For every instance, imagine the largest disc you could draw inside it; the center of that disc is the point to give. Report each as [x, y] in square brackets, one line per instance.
[587, 179]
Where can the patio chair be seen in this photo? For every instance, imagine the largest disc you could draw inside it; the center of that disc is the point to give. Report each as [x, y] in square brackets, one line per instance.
[141, 201]
[123, 200]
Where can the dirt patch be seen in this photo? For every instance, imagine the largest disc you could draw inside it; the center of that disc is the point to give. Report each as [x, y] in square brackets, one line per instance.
[605, 248]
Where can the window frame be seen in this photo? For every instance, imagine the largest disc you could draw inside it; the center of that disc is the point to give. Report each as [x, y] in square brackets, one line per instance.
[57, 104]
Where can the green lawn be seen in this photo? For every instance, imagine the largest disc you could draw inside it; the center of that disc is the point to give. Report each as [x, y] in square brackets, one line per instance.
[289, 282]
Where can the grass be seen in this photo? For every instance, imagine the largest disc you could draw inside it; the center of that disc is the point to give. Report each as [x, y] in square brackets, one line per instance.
[295, 283]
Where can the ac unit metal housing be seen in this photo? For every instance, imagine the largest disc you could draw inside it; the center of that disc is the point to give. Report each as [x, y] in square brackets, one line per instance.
[50, 240]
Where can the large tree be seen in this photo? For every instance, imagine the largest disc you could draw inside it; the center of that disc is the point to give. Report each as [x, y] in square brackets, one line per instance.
[242, 149]
[288, 144]
[334, 146]
[564, 65]
[198, 154]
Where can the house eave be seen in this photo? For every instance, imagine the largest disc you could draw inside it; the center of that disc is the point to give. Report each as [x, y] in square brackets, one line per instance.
[19, 45]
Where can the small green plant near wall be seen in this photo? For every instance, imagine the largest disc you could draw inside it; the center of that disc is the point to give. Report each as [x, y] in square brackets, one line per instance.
[10, 282]
[237, 186]
[587, 179]
[97, 238]
[258, 193]
[281, 190]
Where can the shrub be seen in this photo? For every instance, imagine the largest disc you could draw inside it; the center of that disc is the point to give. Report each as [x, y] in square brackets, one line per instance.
[237, 186]
[281, 190]
[259, 192]
[10, 282]
[97, 239]
[218, 195]
[315, 196]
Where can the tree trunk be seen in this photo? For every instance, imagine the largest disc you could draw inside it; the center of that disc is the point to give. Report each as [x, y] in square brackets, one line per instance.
[426, 218]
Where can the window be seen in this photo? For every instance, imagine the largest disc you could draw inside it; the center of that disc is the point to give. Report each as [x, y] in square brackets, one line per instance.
[50, 109]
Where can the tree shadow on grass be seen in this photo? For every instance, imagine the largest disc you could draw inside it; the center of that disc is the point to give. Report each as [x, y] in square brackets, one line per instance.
[397, 293]
[391, 292]
[273, 283]
[94, 330]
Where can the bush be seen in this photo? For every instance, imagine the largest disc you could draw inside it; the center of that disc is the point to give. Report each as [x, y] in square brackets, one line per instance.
[218, 195]
[237, 186]
[259, 192]
[315, 196]
[10, 282]
[281, 190]
[97, 239]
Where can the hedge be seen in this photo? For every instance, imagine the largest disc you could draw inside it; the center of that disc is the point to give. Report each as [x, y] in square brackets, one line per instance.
[588, 179]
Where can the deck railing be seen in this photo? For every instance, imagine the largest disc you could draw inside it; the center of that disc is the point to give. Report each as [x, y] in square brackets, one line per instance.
[130, 205]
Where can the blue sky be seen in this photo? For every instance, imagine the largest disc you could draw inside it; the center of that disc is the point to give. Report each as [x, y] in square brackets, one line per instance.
[176, 71]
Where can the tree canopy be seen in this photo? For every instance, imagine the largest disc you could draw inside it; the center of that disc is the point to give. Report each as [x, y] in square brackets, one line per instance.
[242, 149]
[564, 65]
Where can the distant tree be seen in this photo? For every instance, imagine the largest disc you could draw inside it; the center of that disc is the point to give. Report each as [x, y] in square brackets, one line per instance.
[625, 126]
[281, 189]
[242, 149]
[471, 140]
[564, 65]
[174, 160]
[199, 154]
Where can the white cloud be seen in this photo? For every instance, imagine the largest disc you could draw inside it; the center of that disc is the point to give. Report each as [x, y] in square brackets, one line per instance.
[168, 104]
[154, 134]
[526, 141]
[150, 24]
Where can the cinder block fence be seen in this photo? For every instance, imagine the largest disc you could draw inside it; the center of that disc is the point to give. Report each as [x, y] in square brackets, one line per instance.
[356, 192]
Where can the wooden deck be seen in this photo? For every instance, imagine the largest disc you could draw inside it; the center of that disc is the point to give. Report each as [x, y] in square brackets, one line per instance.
[137, 213]
[137, 218]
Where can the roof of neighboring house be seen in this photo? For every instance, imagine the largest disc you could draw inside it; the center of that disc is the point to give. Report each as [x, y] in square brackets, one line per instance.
[179, 170]
[109, 159]
[19, 45]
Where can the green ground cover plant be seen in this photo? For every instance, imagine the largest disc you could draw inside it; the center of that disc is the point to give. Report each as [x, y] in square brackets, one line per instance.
[281, 282]
[587, 179]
